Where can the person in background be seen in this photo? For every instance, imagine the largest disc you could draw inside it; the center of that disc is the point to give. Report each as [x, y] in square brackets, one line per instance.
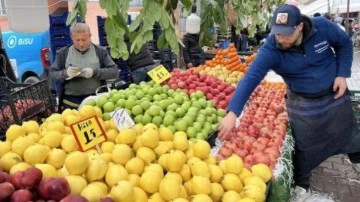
[316, 15]
[139, 63]
[339, 21]
[314, 58]
[81, 68]
[192, 52]
[244, 39]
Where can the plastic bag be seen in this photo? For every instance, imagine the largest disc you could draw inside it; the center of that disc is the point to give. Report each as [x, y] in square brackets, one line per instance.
[97, 95]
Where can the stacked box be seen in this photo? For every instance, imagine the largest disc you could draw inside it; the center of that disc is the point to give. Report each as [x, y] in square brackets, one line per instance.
[59, 32]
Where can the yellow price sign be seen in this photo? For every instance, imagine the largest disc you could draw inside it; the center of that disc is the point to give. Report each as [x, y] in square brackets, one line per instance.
[159, 74]
[88, 133]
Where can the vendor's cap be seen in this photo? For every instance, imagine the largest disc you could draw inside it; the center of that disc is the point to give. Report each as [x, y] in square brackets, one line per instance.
[285, 20]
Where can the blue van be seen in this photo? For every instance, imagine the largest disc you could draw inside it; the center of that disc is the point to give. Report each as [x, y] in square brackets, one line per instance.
[29, 54]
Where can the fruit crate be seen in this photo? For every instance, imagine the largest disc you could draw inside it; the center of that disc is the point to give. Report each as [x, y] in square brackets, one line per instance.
[21, 102]
[355, 102]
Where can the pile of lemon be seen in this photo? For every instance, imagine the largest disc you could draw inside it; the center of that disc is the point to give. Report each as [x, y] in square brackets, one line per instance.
[143, 163]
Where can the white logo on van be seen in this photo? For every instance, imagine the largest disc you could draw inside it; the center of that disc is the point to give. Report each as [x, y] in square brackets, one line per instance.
[11, 42]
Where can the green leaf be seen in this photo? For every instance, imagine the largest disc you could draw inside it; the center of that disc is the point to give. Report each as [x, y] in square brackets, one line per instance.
[173, 4]
[82, 9]
[161, 42]
[164, 21]
[134, 24]
[187, 3]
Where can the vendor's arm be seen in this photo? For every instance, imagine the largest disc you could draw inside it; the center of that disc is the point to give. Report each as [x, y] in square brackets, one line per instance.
[57, 72]
[245, 87]
[342, 44]
[108, 69]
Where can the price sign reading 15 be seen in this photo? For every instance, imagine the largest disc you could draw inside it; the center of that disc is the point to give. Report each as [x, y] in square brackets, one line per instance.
[159, 74]
[88, 133]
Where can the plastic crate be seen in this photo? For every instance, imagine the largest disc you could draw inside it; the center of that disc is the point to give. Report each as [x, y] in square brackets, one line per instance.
[58, 19]
[59, 31]
[20, 102]
[100, 21]
[61, 42]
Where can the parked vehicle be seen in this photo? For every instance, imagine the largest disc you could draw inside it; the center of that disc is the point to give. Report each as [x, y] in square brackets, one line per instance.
[29, 54]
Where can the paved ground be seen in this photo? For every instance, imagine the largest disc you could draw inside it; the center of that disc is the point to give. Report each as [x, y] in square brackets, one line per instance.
[335, 177]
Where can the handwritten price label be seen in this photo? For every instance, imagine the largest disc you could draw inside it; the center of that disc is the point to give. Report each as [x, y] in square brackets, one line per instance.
[88, 133]
[122, 119]
[159, 74]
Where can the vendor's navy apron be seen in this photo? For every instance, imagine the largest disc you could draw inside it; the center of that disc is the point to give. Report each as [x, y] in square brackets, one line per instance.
[322, 127]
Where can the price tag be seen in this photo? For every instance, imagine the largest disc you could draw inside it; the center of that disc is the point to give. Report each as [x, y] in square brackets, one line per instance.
[88, 133]
[122, 119]
[159, 74]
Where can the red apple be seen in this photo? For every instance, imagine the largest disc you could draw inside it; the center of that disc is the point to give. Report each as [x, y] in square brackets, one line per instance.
[6, 190]
[21, 195]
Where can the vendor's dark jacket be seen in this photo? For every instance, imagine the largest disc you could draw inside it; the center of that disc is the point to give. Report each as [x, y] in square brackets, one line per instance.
[141, 59]
[311, 68]
[191, 43]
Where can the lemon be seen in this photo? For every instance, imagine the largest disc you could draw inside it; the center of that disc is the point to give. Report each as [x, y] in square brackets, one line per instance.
[246, 199]
[121, 154]
[155, 168]
[126, 136]
[231, 196]
[162, 160]
[115, 173]
[35, 136]
[211, 160]
[185, 173]
[166, 134]
[56, 157]
[122, 191]
[22, 166]
[14, 131]
[21, 143]
[233, 164]
[134, 179]
[137, 144]
[180, 200]
[111, 134]
[30, 126]
[52, 139]
[150, 138]
[55, 117]
[146, 154]
[98, 111]
[174, 175]
[62, 172]
[254, 192]
[5, 147]
[102, 185]
[71, 119]
[217, 191]
[255, 180]
[215, 173]
[201, 198]
[262, 170]
[201, 149]
[36, 153]
[156, 197]
[150, 126]
[47, 170]
[87, 111]
[200, 168]
[180, 141]
[96, 170]
[76, 163]
[135, 165]
[244, 174]
[106, 156]
[69, 144]
[77, 183]
[92, 193]
[140, 195]
[231, 181]
[150, 181]
[200, 185]
[138, 128]
[107, 147]
[175, 161]
[57, 126]
[169, 188]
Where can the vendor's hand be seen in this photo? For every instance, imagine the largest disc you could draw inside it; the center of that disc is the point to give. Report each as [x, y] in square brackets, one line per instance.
[87, 73]
[339, 86]
[226, 125]
[72, 71]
